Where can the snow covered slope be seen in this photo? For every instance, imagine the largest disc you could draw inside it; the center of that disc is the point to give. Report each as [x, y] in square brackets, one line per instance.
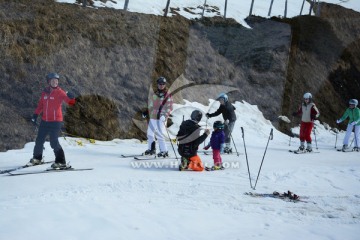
[127, 199]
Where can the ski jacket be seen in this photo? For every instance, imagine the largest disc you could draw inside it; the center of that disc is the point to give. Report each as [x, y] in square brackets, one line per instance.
[50, 104]
[160, 104]
[227, 110]
[217, 139]
[308, 112]
[189, 138]
[353, 114]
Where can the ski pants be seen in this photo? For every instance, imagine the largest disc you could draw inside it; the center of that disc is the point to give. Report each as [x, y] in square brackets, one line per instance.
[305, 131]
[228, 128]
[52, 129]
[157, 128]
[217, 157]
[196, 164]
[349, 130]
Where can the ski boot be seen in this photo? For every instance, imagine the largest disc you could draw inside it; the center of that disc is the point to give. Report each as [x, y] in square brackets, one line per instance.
[184, 164]
[34, 162]
[356, 149]
[163, 154]
[149, 152]
[220, 167]
[344, 148]
[59, 166]
[227, 150]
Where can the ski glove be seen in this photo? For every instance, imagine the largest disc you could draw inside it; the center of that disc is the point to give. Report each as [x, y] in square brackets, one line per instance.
[144, 114]
[338, 121]
[34, 119]
[70, 95]
[207, 147]
[162, 118]
[222, 148]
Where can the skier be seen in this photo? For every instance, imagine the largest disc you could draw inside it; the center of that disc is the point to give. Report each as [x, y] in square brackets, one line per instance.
[353, 113]
[189, 140]
[49, 105]
[159, 108]
[228, 113]
[308, 112]
[217, 141]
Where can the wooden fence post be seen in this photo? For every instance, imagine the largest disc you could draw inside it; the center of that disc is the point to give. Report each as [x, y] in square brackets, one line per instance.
[251, 7]
[202, 15]
[225, 8]
[271, 4]
[126, 5]
[167, 8]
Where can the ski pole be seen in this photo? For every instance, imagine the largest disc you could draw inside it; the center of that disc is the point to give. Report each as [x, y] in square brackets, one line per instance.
[270, 138]
[237, 153]
[206, 127]
[170, 141]
[315, 137]
[247, 162]
[336, 138]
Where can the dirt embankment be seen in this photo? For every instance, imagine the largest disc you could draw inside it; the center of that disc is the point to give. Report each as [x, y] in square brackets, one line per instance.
[111, 59]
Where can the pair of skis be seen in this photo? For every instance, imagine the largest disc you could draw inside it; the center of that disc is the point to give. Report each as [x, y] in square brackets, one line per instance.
[286, 196]
[11, 171]
[302, 151]
[144, 157]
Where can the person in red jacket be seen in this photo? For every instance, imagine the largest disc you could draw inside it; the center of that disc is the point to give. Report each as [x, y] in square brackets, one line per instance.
[308, 112]
[49, 106]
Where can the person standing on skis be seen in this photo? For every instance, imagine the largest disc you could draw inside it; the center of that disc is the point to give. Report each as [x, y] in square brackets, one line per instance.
[353, 113]
[189, 140]
[217, 142]
[308, 112]
[159, 108]
[228, 113]
[49, 105]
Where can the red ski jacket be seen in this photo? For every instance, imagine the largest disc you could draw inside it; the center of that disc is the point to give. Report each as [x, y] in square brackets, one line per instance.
[50, 104]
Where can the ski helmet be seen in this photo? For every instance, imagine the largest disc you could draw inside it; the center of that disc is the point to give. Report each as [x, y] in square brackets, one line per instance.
[161, 80]
[51, 76]
[196, 115]
[307, 95]
[218, 125]
[223, 96]
[353, 102]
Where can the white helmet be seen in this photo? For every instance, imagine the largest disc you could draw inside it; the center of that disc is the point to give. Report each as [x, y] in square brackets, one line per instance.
[307, 95]
[353, 102]
[223, 96]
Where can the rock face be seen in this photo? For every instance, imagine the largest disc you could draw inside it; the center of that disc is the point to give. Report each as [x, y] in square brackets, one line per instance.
[111, 59]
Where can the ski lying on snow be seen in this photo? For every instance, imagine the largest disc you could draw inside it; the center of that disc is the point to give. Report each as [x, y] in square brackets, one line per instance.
[340, 150]
[288, 197]
[49, 170]
[21, 167]
[131, 155]
[302, 152]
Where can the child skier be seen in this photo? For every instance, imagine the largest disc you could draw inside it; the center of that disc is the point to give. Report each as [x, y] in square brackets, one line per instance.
[308, 112]
[217, 142]
[353, 113]
[189, 140]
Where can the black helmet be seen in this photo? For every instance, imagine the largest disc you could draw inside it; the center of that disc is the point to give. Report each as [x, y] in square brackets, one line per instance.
[51, 76]
[218, 125]
[196, 115]
[161, 80]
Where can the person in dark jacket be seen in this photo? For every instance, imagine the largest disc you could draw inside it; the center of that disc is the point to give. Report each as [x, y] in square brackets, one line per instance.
[49, 105]
[189, 140]
[228, 113]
